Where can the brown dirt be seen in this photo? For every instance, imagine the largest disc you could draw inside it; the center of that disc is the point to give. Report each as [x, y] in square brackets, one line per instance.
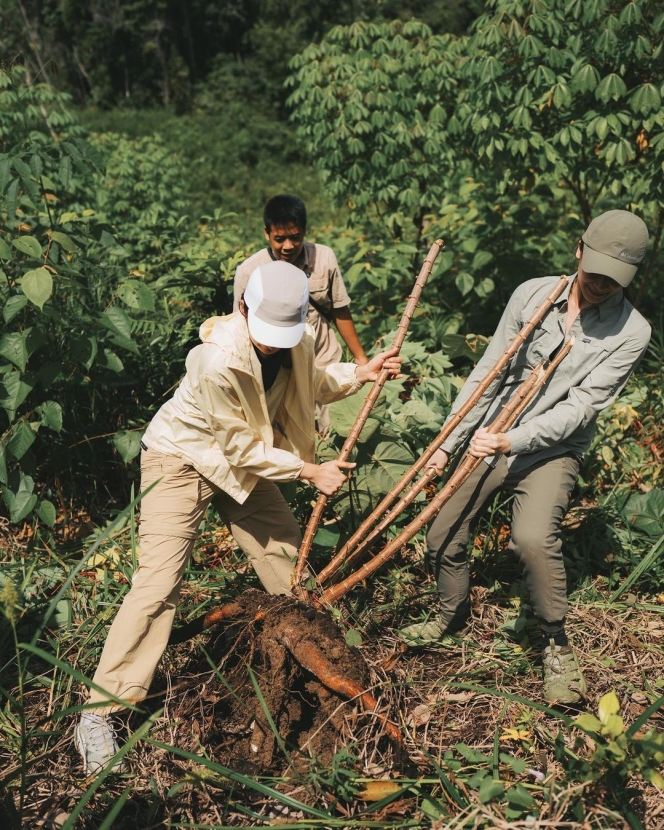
[254, 652]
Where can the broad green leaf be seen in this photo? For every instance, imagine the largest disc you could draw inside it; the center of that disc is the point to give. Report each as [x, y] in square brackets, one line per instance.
[645, 512]
[464, 282]
[109, 360]
[13, 348]
[19, 497]
[14, 389]
[3, 465]
[65, 172]
[588, 722]
[116, 320]
[490, 789]
[325, 537]
[83, 349]
[128, 444]
[20, 439]
[37, 286]
[613, 726]
[518, 796]
[15, 304]
[136, 294]
[608, 705]
[343, 414]
[50, 413]
[353, 638]
[5, 250]
[46, 512]
[65, 241]
[28, 245]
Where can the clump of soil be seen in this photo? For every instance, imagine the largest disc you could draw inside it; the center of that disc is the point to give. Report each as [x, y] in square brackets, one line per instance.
[268, 657]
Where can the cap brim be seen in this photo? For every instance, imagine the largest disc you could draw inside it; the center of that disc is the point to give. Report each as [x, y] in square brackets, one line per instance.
[276, 337]
[593, 262]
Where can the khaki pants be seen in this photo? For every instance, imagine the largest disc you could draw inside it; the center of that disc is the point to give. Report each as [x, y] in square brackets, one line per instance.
[263, 527]
[541, 498]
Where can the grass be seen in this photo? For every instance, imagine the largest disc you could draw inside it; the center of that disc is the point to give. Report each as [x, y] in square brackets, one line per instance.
[482, 749]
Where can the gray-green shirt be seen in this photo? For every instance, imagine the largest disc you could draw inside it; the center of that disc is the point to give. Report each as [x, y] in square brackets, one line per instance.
[611, 338]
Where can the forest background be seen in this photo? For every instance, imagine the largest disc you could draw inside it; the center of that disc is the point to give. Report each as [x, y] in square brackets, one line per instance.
[138, 143]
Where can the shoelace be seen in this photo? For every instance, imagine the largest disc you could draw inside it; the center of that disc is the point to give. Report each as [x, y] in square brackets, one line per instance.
[100, 733]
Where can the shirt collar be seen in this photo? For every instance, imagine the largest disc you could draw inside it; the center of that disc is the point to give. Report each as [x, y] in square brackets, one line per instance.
[603, 309]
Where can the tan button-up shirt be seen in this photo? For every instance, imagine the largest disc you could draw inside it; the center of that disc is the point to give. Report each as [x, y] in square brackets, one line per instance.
[611, 338]
[326, 288]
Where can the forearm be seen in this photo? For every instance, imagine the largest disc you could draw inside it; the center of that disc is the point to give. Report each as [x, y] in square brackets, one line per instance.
[343, 320]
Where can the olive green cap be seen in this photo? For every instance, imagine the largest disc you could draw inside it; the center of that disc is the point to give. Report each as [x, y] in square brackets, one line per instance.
[615, 244]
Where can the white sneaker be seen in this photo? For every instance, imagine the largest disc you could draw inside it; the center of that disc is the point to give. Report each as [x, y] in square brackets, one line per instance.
[95, 740]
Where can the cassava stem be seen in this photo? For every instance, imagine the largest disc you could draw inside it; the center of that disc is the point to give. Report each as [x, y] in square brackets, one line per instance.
[360, 535]
[507, 417]
[361, 419]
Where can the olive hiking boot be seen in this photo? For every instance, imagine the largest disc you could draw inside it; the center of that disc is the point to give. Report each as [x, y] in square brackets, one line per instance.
[428, 633]
[563, 679]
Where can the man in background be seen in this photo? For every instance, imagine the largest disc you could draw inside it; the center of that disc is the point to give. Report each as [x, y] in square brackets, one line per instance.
[285, 227]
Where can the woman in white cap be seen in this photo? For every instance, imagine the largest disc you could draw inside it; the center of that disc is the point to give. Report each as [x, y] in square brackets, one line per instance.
[538, 459]
[241, 419]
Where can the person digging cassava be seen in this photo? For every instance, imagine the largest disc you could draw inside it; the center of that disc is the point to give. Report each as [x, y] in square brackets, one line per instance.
[241, 420]
[538, 459]
[284, 228]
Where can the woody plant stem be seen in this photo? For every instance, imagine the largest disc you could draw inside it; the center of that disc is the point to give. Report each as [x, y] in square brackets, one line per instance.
[509, 414]
[349, 550]
[361, 419]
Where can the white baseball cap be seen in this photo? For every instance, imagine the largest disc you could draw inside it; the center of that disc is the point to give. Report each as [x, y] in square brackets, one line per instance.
[277, 301]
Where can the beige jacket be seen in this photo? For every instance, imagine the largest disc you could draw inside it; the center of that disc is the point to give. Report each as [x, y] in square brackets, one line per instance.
[218, 417]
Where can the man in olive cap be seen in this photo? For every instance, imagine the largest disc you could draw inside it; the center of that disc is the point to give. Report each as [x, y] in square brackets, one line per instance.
[538, 458]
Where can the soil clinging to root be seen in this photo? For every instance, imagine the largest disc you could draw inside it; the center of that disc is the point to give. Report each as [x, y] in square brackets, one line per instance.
[265, 700]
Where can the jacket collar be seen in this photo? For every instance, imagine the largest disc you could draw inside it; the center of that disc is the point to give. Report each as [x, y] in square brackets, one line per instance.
[604, 309]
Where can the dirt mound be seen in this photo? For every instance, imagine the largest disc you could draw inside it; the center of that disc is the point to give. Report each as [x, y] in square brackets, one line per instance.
[284, 685]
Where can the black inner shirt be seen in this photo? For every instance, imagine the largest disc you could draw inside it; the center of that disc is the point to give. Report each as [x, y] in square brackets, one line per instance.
[270, 365]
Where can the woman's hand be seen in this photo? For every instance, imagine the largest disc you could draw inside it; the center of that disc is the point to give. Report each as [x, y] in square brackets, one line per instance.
[438, 461]
[327, 477]
[486, 443]
[389, 360]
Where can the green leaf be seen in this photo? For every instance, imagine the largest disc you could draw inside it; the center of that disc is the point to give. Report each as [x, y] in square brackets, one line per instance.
[14, 389]
[5, 250]
[325, 537]
[50, 413]
[13, 347]
[613, 726]
[83, 349]
[343, 414]
[65, 241]
[37, 286]
[128, 444]
[109, 360]
[588, 722]
[28, 245]
[19, 498]
[464, 282]
[46, 512]
[518, 796]
[490, 789]
[15, 304]
[608, 705]
[3, 465]
[645, 512]
[20, 439]
[136, 294]
[353, 638]
[116, 320]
